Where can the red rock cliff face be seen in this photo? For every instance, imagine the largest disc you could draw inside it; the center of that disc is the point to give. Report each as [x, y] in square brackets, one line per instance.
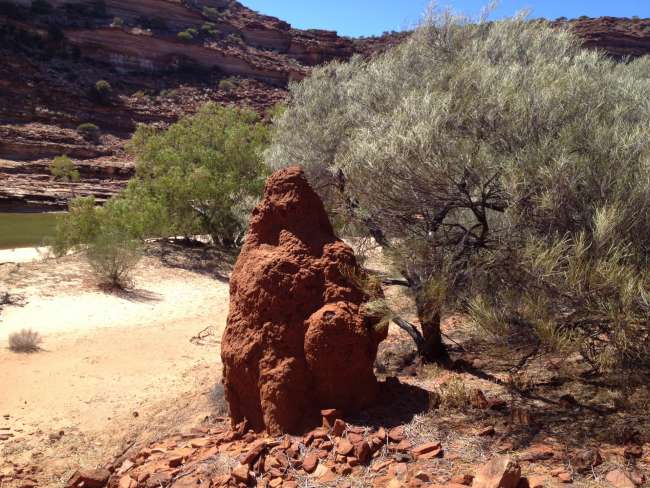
[50, 61]
[297, 338]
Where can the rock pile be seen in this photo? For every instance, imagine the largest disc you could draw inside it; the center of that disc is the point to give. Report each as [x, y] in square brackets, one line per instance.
[241, 457]
[298, 338]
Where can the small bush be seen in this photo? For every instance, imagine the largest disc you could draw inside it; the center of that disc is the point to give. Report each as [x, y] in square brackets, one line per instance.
[211, 13]
[227, 85]
[113, 256]
[235, 39]
[62, 168]
[453, 394]
[218, 400]
[102, 91]
[185, 36]
[88, 130]
[26, 340]
[117, 22]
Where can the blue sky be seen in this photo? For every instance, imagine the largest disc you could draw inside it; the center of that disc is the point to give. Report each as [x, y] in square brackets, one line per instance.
[368, 17]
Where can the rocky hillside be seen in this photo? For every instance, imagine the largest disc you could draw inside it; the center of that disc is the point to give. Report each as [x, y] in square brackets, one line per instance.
[161, 59]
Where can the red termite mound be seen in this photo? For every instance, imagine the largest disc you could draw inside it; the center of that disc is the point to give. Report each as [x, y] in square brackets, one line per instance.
[297, 338]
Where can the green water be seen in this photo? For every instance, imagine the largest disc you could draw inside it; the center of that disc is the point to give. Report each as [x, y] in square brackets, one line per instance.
[26, 229]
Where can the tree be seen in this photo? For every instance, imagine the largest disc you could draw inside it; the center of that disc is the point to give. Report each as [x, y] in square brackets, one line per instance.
[62, 168]
[204, 173]
[504, 170]
[201, 176]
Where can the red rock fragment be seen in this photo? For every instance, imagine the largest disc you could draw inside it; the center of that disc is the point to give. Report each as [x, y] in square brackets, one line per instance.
[344, 447]
[425, 448]
[310, 463]
[619, 479]
[463, 479]
[500, 472]
[396, 434]
[537, 482]
[240, 473]
[330, 416]
[338, 428]
[89, 478]
[362, 452]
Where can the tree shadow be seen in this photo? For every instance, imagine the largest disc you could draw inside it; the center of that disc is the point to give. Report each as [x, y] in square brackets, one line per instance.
[398, 404]
[136, 295]
[195, 256]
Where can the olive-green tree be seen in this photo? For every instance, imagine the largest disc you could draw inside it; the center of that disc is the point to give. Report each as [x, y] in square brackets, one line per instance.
[63, 169]
[504, 170]
[201, 176]
[204, 173]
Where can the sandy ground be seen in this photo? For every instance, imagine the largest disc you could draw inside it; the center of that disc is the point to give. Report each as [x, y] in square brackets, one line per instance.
[113, 367]
[24, 254]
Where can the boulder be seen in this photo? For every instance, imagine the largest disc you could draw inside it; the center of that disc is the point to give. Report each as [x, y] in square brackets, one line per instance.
[297, 339]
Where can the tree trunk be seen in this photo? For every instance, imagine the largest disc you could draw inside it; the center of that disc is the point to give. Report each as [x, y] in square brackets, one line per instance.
[433, 350]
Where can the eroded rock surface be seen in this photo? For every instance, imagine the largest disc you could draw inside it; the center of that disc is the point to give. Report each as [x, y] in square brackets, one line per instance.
[297, 338]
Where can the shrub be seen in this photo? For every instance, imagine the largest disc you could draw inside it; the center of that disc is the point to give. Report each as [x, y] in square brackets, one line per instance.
[26, 340]
[218, 400]
[494, 190]
[113, 256]
[88, 130]
[102, 91]
[210, 12]
[235, 39]
[227, 85]
[62, 168]
[209, 28]
[185, 36]
[118, 22]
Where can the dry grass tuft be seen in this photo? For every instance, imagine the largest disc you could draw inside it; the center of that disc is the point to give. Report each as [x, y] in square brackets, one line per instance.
[26, 341]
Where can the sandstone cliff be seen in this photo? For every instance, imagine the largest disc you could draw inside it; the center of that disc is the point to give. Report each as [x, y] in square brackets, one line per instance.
[163, 59]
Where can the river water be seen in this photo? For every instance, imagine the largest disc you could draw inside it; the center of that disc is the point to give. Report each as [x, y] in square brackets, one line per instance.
[26, 229]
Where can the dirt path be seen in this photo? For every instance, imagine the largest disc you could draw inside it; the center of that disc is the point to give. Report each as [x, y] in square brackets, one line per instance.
[112, 369]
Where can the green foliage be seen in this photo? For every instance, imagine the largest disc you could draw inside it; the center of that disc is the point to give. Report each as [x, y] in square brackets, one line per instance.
[113, 256]
[210, 12]
[88, 130]
[505, 170]
[110, 236]
[203, 173]
[210, 28]
[102, 91]
[62, 168]
[201, 176]
[185, 36]
[227, 85]
[235, 39]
